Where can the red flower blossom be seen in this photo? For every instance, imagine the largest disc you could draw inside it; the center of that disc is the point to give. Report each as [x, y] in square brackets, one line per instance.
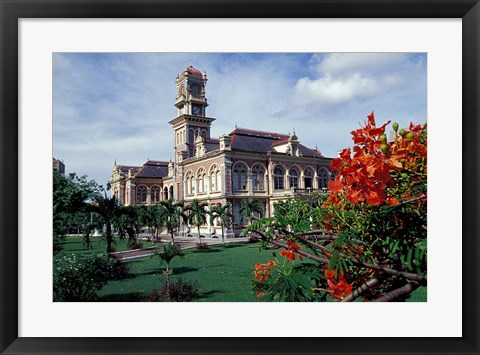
[261, 271]
[366, 176]
[340, 288]
[290, 253]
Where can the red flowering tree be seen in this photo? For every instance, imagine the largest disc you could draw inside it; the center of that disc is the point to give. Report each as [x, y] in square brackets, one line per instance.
[367, 237]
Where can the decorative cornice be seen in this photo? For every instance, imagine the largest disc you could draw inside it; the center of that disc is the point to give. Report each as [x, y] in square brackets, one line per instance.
[191, 119]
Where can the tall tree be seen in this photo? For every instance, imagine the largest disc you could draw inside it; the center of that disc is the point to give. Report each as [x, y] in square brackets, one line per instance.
[171, 214]
[249, 207]
[70, 194]
[113, 216]
[223, 214]
[197, 214]
[151, 217]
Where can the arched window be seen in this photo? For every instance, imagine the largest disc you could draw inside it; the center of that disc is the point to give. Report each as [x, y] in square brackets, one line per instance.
[165, 193]
[258, 176]
[333, 174]
[141, 194]
[293, 178]
[196, 89]
[189, 181]
[200, 183]
[204, 134]
[278, 179]
[213, 181]
[191, 136]
[240, 177]
[154, 194]
[307, 179]
[323, 178]
[170, 192]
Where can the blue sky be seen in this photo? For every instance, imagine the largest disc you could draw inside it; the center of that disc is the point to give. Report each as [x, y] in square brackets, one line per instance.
[109, 106]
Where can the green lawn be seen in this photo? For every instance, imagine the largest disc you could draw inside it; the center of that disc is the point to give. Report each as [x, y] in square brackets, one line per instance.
[222, 273]
[99, 245]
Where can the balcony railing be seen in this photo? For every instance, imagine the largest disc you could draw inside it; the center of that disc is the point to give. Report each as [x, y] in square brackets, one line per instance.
[296, 191]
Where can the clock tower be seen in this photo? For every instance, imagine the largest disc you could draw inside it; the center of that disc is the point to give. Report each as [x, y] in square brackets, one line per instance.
[191, 120]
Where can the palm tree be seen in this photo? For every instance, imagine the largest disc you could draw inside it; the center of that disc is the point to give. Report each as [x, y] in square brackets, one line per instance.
[249, 207]
[111, 213]
[151, 217]
[129, 223]
[222, 213]
[171, 214]
[197, 214]
[169, 252]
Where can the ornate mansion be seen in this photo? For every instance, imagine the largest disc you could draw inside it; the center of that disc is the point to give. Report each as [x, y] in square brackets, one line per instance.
[245, 164]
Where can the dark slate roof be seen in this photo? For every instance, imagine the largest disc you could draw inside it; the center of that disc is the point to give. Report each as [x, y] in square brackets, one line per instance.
[261, 142]
[253, 141]
[126, 168]
[153, 169]
[307, 152]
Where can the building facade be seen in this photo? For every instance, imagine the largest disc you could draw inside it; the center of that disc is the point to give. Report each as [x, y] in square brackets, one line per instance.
[58, 165]
[244, 164]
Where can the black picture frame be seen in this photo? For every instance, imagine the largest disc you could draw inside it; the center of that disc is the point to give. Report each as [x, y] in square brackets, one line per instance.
[13, 10]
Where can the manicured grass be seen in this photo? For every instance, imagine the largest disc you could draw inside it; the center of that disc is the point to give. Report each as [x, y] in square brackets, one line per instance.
[98, 245]
[222, 273]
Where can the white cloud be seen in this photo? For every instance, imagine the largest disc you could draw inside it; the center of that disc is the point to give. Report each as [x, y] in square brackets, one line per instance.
[346, 63]
[340, 78]
[330, 90]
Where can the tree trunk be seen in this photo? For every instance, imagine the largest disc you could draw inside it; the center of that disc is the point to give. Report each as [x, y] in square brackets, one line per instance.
[222, 234]
[109, 237]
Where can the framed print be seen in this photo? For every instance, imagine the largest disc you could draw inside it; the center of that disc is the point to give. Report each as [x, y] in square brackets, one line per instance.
[55, 52]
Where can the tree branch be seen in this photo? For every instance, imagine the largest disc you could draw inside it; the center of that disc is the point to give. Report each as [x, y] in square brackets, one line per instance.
[361, 289]
[320, 259]
[325, 260]
[389, 297]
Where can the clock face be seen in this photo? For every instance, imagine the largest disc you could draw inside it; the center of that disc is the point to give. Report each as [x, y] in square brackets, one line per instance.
[196, 109]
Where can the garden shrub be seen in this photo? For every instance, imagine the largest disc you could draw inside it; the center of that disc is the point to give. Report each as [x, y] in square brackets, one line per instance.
[154, 296]
[179, 291]
[173, 291]
[78, 278]
[201, 246]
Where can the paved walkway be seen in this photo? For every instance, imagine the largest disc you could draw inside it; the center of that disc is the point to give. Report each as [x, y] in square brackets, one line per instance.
[183, 242]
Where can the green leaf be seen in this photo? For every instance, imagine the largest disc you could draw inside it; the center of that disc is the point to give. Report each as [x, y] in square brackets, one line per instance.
[409, 259]
[394, 247]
